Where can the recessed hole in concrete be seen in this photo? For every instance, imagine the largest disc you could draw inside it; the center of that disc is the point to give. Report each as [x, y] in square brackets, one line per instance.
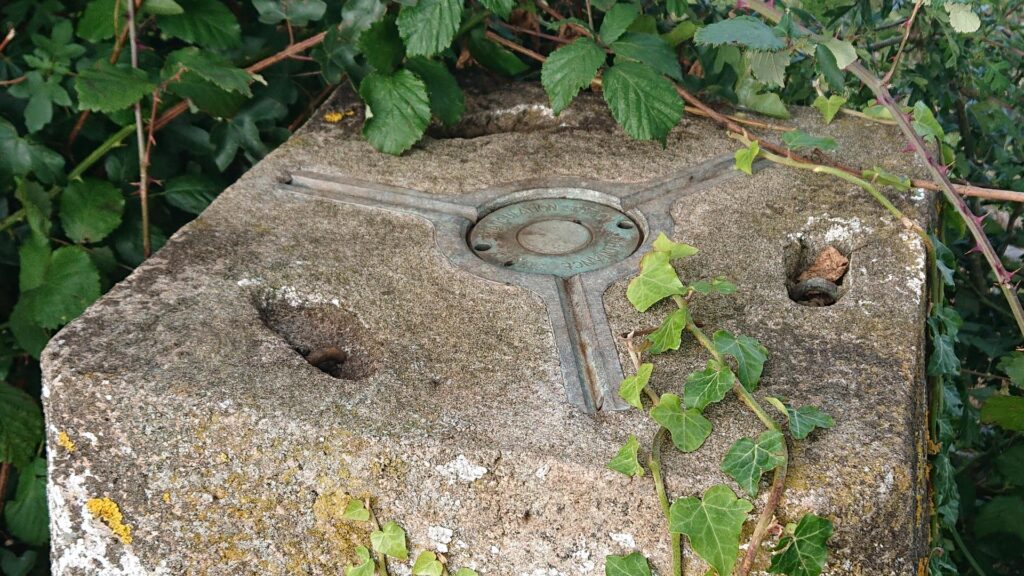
[331, 339]
[481, 247]
[815, 273]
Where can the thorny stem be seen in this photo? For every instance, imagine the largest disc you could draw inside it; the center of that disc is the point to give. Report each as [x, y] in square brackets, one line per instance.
[903, 43]
[140, 137]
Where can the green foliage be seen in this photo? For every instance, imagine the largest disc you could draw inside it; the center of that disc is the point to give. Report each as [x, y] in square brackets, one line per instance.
[633, 564]
[713, 524]
[570, 69]
[355, 510]
[427, 564]
[633, 386]
[365, 567]
[400, 110]
[689, 427]
[669, 335]
[800, 140]
[429, 26]
[750, 356]
[625, 461]
[708, 386]
[746, 31]
[745, 157]
[642, 100]
[803, 552]
[657, 280]
[26, 515]
[748, 459]
[803, 420]
[390, 540]
[21, 426]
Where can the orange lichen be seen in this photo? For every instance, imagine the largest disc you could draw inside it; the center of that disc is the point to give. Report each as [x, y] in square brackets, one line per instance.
[108, 511]
[334, 116]
[65, 441]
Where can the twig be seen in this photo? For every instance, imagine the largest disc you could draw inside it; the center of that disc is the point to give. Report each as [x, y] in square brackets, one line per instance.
[906, 34]
[13, 81]
[5, 471]
[7, 39]
[515, 47]
[140, 138]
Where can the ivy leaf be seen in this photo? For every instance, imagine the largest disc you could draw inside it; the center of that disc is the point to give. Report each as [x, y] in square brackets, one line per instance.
[1013, 366]
[689, 427]
[400, 109]
[297, 12]
[675, 250]
[501, 8]
[191, 193]
[382, 46]
[209, 67]
[108, 88]
[1005, 411]
[390, 540]
[825, 62]
[26, 515]
[885, 178]
[446, 99]
[712, 524]
[617, 20]
[570, 69]
[657, 280]
[803, 420]
[768, 67]
[355, 510]
[749, 93]
[716, 286]
[843, 51]
[494, 57]
[707, 386]
[748, 459]
[962, 18]
[740, 30]
[427, 564]
[669, 335]
[13, 565]
[632, 565]
[366, 567]
[633, 386]
[206, 23]
[429, 26]
[745, 157]
[69, 284]
[21, 426]
[829, 107]
[943, 359]
[642, 101]
[800, 140]
[625, 461]
[804, 553]
[649, 49]
[466, 572]
[750, 356]
[90, 209]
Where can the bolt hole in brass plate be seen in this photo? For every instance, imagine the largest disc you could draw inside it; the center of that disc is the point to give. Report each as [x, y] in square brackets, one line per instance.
[558, 236]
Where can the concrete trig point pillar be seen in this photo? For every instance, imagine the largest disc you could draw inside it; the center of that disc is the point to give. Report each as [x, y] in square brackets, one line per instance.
[440, 332]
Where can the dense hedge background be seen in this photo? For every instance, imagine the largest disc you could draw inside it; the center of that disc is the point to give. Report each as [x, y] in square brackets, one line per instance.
[221, 82]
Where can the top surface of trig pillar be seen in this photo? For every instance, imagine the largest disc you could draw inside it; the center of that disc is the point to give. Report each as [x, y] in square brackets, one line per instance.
[441, 332]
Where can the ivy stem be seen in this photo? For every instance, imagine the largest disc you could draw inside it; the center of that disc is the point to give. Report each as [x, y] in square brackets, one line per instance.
[654, 463]
[382, 561]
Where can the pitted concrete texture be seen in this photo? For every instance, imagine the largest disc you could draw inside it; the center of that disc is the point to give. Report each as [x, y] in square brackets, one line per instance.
[228, 453]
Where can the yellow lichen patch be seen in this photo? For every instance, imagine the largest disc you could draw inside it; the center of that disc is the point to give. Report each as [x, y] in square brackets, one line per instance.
[108, 511]
[166, 496]
[333, 117]
[65, 441]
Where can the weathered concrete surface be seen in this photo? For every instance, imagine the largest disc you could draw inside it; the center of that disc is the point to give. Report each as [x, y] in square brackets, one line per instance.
[229, 454]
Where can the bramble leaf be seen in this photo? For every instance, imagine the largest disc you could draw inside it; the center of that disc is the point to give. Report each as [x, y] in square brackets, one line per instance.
[382, 46]
[427, 564]
[429, 26]
[21, 426]
[689, 427]
[649, 49]
[740, 30]
[355, 510]
[210, 67]
[804, 552]
[803, 420]
[617, 20]
[843, 51]
[206, 23]
[162, 7]
[69, 284]
[390, 540]
[642, 101]
[494, 57]
[297, 12]
[633, 386]
[108, 88]
[90, 209]
[366, 567]
[800, 140]
[1013, 366]
[675, 250]
[26, 515]
[190, 192]
[400, 109]
[713, 525]
[768, 67]
[962, 18]
[748, 459]
[633, 564]
[657, 280]
[707, 386]
[825, 63]
[750, 356]
[570, 69]
[749, 92]
[1005, 411]
[501, 8]
[625, 460]
[446, 99]
[669, 335]
[97, 21]
[745, 157]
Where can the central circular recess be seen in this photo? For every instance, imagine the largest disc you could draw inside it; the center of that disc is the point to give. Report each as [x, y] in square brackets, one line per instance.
[554, 237]
[559, 236]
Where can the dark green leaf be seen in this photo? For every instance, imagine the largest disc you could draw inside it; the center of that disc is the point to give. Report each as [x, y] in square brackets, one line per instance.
[501, 8]
[632, 565]
[358, 15]
[297, 12]
[1013, 366]
[712, 524]
[400, 109]
[90, 209]
[191, 193]
[27, 332]
[162, 7]
[70, 283]
[1011, 465]
[570, 69]
[617, 20]
[108, 88]
[1005, 411]
[625, 461]
[642, 101]
[827, 67]
[803, 420]
[804, 552]
[750, 356]
[740, 30]
[21, 426]
[382, 46]
[209, 67]
[14, 565]
[36, 203]
[748, 459]
[97, 21]
[26, 515]
[446, 100]
[1002, 515]
[707, 386]
[494, 57]
[337, 57]
[20, 156]
[649, 49]
[207, 23]
[429, 26]
[689, 428]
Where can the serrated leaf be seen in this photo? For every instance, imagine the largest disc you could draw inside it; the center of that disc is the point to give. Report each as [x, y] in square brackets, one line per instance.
[27, 333]
[642, 101]
[400, 107]
[649, 49]
[33, 259]
[825, 63]
[494, 57]
[355, 510]
[36, 203]
[800, 140]
[337, 57]
[750, 356]
[747, 460]
[191, 193]
[429, 26]
[962, 18]
[881, 176]
[617, 20]
[712, 524]
[90, 209]
[21, 426]
[357, 16]
[162, 7]
[427, 564]
[26, 515]
[382, 46]
[657, 280]
[210, 67]
[633, 564]
[689, 428]
[745, 157]
[446, 99]
[390, 540]
[97, 21]
[297, 12]
[21, 156]
[740, 30]
[707, 386]
[501, 8]
[206, 23]
[366, 567]
[1004, 411]
[632, 386]
[829, 107]
[803, 420]
[669, 335]
[843, 51]
[570, 69]
[675, 250]
[805, 552]
[625, 460]
[108, 88]
[768, 67]
[750, 95]
[70, 283]
[1013, 366]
